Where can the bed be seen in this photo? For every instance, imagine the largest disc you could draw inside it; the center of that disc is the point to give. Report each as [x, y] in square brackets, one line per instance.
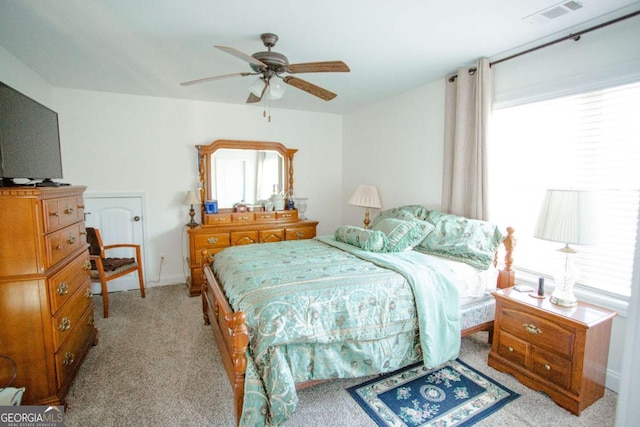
[288, 315]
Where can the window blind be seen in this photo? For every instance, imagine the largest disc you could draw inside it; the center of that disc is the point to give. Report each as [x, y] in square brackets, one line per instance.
[586, 141]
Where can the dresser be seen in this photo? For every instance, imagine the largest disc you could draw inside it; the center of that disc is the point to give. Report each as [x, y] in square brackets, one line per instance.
[562, 351]
[45, 291]
[228, 228]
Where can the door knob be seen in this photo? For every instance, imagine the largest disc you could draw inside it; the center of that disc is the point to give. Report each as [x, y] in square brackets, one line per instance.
[136, 218]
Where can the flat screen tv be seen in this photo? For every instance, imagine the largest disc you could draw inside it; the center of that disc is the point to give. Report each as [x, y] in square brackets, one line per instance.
[29, 140]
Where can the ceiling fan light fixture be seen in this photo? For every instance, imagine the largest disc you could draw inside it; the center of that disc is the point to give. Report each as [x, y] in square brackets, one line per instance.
[276, 89]
[257, 86]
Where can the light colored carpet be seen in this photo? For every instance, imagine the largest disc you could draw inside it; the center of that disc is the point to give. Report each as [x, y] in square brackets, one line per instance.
[156, 364]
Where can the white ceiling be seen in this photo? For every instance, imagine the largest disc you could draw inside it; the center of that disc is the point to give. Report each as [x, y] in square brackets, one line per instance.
[147, 47]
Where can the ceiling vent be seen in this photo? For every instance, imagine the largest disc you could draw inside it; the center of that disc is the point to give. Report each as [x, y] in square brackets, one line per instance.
[554, 11]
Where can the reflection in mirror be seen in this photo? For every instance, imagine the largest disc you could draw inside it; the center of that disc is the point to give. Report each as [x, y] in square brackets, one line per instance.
[246, 176]
[232, 171]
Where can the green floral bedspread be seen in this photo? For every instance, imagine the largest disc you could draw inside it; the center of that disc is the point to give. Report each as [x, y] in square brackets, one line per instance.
[321, 309]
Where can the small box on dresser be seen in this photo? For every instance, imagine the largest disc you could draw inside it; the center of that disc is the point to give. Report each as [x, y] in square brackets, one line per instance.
[45, 291]
[228, 228]
[562, 351]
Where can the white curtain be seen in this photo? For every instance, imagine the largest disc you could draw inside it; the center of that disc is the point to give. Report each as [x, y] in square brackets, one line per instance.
[468, 101]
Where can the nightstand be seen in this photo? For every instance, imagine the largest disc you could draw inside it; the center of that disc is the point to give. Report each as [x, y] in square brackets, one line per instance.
[561, 351]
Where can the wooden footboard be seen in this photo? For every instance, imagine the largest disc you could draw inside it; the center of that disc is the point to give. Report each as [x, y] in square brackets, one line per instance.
[231, 334]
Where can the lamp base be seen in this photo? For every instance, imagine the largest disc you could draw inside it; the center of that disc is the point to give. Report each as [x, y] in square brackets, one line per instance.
[564, 302]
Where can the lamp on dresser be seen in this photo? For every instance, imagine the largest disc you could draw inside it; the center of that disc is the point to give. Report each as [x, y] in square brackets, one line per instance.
[566, 216]
[191, 199]
[367, 197]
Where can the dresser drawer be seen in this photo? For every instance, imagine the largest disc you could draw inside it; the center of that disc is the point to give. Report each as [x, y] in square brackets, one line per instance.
[211, 241]
[69, 355]
[272, 235]
[513, 349]
[64, 283]
[242, 217]
[217, 219]
[61, 212]
[300, 233]
[244, 237]
[551, 367]
[291, 215]
[62, 243]
[265, 216]
[538, 331]
[67, 318]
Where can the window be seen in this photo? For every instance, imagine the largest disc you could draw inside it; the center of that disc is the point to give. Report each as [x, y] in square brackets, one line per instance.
[586, 141]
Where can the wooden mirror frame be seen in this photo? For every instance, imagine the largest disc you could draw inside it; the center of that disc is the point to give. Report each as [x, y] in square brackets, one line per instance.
[206, 151]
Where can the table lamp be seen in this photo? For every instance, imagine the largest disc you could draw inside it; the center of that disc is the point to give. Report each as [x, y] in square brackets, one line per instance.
[566, 216]
[191, 199]
[367, 197]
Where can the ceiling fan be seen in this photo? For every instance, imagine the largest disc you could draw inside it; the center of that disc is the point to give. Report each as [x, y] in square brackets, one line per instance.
[270, 66]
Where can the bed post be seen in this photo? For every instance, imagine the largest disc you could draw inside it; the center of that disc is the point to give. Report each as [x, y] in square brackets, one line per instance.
[240, 340]
[506, 276]
[204, 260]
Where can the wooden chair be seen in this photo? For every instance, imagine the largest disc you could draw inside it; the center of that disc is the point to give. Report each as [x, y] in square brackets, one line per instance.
[104, 269]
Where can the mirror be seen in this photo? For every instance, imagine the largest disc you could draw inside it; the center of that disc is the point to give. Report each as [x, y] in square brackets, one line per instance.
[233, 171]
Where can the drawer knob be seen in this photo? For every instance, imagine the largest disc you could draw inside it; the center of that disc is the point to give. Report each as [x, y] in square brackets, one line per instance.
[243, 218]
[53, 213]
[547, 367]
[69, 210]
[65, 325]
[71, 240]
[88, 294]
[69, 358]
[58, 247]
[531, 328]
[86, 265]
[286, 215]
[212, 240]
[91, 321]
[63, 288]
[511, 349]
[299, 234]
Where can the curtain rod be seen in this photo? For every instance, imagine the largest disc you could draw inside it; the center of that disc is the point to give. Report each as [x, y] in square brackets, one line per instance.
[572, 36]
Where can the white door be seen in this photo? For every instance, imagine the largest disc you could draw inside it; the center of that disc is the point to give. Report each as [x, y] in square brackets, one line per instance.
[119, 219]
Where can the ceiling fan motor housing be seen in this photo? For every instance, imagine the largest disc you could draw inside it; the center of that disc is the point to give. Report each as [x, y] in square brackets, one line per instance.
[274, 61]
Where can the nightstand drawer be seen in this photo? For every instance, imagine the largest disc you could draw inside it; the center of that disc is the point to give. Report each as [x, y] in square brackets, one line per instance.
[538, 331]
[513, 349]
[551, 367]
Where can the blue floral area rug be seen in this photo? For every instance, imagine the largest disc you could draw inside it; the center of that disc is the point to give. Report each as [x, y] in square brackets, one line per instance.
[452, 394]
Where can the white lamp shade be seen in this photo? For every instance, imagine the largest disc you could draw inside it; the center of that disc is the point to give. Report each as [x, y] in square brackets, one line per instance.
[257, 86]
[367, 196]
[567, 216]
[276, 88]
[191, 198]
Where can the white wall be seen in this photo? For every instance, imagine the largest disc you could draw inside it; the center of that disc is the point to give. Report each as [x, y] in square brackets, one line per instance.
[395, 145]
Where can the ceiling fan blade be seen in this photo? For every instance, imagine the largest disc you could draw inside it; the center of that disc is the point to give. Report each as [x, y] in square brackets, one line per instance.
[209, 79]
[310, 88]
[243, 56]
[319, 67]
[253, 98]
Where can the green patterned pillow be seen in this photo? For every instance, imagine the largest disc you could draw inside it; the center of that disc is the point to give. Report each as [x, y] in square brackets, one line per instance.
[408, 213]
[403, 235]
[471, 241]
[367, 240]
